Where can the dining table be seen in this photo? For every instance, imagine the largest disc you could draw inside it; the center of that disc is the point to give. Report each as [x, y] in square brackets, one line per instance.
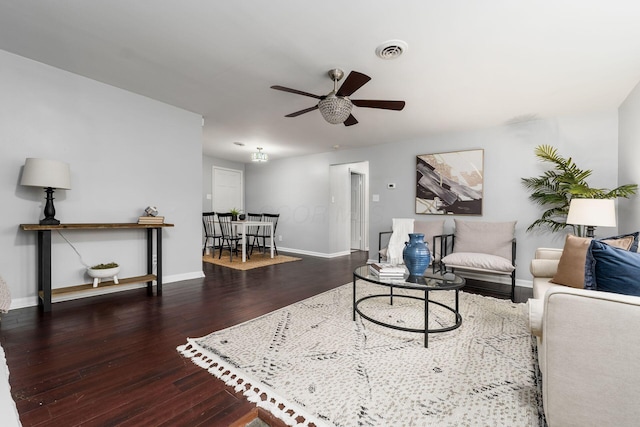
[242, 225]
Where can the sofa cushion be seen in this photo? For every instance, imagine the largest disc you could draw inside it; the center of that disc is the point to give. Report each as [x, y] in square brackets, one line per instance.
[493, 238]
[541, 285]
[611, 269]
[571, 267]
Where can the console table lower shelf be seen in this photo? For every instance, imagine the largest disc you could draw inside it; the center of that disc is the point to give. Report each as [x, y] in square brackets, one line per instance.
[86, 289]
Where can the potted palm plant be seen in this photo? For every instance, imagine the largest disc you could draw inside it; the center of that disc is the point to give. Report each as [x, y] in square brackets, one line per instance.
[555, 188]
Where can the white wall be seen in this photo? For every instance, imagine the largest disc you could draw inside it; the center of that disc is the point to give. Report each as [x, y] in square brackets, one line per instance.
[299, 188]
[629, 159]
[125, 151]
[339, 210]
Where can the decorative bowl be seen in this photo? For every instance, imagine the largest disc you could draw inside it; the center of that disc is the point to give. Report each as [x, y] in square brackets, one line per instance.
[102, 273]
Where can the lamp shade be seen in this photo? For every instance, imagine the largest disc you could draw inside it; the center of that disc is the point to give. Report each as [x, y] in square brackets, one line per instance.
[592, 212]
[46, 173]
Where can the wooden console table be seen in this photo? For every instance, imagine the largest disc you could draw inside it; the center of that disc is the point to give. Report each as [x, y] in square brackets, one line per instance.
[44, 258]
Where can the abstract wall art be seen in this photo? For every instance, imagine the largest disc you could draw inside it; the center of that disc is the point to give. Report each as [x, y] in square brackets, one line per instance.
[450, 183]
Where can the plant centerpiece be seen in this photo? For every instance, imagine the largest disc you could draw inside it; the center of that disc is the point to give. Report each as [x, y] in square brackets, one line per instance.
[555, 188]
[103, 271]
[234, 214]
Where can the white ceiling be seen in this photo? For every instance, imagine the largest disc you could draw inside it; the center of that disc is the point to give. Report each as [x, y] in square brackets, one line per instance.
[470, 64]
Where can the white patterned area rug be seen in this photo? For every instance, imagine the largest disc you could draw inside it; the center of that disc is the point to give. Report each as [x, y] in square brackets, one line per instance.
[310, 363]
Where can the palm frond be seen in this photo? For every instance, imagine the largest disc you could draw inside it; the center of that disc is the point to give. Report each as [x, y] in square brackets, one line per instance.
[555, 188]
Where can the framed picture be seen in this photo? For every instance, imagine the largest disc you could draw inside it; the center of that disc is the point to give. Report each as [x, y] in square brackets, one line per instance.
[450, 183]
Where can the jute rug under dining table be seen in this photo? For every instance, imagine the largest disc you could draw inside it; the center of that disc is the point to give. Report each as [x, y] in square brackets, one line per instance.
[256, 260]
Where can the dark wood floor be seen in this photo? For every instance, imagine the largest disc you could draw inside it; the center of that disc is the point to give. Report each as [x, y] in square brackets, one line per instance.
[112, 360]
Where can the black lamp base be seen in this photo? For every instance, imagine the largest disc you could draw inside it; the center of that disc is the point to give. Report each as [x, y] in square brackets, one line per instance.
[49, 209]
[590, 231]
[49, 221]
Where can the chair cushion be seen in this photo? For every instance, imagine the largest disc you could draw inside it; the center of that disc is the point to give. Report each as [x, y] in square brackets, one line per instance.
[494, 238]
[479, 261]
[611, 269]
[571, 267]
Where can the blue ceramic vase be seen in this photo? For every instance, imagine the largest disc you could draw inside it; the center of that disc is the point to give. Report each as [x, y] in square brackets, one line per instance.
[416, 254]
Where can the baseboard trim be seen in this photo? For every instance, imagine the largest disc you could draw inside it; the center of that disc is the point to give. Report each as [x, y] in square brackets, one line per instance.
[316, 254]
[184, 276]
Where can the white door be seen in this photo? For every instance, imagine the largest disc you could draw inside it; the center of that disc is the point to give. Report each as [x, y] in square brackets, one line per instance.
[228, 190]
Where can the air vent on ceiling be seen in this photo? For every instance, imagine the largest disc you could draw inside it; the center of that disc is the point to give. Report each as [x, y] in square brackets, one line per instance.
[391, 49]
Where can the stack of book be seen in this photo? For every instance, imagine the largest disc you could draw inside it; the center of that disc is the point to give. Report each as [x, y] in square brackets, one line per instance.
[151, 220]
[387, 271]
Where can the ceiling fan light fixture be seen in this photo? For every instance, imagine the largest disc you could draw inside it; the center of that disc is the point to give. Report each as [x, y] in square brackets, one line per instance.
[335, 109]
[259, 156]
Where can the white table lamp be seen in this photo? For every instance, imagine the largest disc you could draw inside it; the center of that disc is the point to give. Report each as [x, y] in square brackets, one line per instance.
[592, 213]
[50, 175]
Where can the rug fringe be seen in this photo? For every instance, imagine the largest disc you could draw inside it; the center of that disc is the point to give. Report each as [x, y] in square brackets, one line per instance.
[253, 390]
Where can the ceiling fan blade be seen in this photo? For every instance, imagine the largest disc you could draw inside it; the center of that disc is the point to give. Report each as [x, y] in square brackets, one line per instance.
[385, 105]
[350, 120]
[299, 92]
[306, 110]
[353, 82]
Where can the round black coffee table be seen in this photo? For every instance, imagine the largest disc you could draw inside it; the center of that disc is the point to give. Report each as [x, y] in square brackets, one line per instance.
[431, 281]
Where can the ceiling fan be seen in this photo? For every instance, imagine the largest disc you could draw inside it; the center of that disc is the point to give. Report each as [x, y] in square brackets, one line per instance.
[336, 106]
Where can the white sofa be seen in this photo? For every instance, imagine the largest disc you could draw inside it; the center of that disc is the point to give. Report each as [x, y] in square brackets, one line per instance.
[588, 350]
[8, 413]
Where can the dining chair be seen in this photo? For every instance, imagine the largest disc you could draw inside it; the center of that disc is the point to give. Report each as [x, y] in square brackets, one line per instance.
[273, 218]
[229, 235]
[209, 224]
[253, 231]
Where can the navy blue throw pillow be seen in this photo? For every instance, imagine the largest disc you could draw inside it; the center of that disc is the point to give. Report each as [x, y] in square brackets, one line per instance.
[611, 269]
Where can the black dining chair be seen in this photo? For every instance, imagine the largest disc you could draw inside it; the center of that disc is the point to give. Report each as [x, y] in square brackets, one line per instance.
[272, 218]
[210, 234]
[253, 231]
[230, 238]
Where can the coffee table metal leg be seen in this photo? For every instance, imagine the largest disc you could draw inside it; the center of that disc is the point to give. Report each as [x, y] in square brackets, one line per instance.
[354, 297]
[426, 319]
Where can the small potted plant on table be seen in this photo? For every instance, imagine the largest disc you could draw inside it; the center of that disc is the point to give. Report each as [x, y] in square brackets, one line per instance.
[102, 271]
[234, 214]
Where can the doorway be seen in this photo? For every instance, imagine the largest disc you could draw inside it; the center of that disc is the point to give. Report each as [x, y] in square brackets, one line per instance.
[357, 211]
[348, 208]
